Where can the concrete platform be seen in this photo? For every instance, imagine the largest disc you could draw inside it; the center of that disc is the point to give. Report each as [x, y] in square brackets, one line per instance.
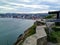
[32, 40]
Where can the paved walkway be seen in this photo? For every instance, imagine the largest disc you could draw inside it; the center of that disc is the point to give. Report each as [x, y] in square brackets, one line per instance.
[32, 40]
[41, 20]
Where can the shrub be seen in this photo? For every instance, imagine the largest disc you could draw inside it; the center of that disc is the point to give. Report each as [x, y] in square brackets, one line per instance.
[57, 23]
[49, 16]
[55, 28]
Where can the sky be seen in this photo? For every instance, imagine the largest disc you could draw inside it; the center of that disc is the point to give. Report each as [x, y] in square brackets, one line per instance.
[29, 6]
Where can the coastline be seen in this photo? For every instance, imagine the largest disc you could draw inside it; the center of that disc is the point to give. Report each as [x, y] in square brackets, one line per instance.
[30, 31]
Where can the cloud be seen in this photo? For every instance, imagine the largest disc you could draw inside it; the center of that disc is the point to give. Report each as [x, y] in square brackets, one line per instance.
[37, 6]
[7, 8]
[29, 5]
[26, 0]
[51, 1]
[43, 11]
[35, 12]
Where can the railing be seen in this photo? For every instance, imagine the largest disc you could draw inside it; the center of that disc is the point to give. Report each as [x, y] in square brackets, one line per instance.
[52, 20]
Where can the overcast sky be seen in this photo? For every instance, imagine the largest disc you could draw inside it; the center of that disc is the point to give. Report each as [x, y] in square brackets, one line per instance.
[29, 6]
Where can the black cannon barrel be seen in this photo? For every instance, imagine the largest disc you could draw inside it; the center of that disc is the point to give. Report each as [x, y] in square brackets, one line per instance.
[55, 12]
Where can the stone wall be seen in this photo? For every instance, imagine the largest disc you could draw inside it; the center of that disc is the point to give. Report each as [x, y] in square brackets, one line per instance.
[42, 41]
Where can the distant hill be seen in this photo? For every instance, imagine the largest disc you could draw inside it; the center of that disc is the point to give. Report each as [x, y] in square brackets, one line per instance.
[37, 15]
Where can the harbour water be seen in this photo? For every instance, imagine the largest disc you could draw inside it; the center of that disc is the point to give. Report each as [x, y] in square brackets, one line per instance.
[11, 28]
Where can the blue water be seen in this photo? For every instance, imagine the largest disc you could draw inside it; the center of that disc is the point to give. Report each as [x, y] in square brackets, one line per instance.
[11, 28]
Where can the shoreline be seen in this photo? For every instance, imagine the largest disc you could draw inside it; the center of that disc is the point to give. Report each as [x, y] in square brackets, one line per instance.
[26, 33]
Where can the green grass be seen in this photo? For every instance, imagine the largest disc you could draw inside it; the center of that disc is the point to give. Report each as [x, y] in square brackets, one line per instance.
[53, 36]
[49, 16]
[32, 30]
[50, 36]
[56, 28]
[56, 33]
[57, 23]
